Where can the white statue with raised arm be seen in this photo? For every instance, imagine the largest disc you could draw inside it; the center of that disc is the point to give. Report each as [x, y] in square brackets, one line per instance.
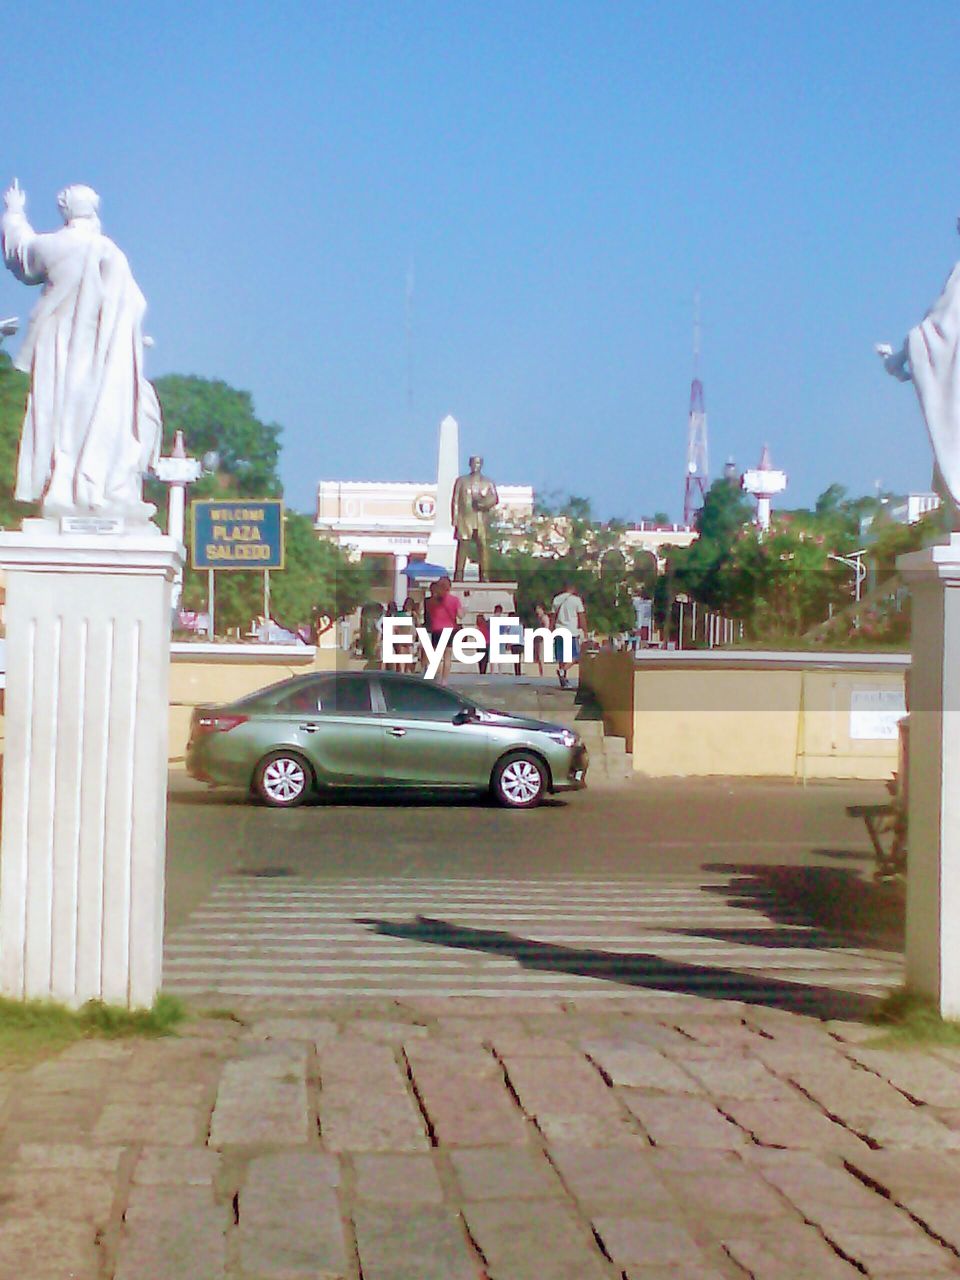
[92, 425]
[930, 359]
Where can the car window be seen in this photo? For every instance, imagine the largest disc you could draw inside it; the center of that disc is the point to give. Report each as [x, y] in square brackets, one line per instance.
[301, 700]
[333, 695]
[420, 700]
[351, 696]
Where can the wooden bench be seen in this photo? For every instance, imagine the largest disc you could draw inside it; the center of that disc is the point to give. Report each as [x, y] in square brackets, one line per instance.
[886, 827]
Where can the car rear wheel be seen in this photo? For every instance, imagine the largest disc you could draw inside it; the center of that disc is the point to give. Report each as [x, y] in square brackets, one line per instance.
[520, 781]
[283, 779]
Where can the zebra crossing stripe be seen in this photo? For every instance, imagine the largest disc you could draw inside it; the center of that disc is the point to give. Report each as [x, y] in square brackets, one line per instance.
[649, 936]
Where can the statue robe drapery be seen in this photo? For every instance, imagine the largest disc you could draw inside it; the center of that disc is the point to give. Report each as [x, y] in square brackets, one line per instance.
[92, 424]
[933, 350]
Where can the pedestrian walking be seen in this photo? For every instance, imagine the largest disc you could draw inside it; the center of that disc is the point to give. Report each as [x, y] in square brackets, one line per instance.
[406, 646]
[391, 611]
[512, 641]
[571, 614]
[545, 621]
[443, 611]
[483, 626]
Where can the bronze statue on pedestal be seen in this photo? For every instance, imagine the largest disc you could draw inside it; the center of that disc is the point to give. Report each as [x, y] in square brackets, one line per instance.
[474, 497]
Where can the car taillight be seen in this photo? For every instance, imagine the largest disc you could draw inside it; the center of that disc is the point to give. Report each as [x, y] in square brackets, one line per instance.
[218, 724]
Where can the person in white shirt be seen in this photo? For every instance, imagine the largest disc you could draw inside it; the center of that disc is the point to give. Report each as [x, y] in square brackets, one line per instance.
[570, 613]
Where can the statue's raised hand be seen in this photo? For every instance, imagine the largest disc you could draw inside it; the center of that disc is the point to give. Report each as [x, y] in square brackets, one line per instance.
[14, 199]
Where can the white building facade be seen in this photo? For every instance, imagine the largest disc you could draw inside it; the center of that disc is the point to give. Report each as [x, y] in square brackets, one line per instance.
[389, 523]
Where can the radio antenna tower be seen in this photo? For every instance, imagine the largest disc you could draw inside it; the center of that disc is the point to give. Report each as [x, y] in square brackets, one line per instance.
[697, 476]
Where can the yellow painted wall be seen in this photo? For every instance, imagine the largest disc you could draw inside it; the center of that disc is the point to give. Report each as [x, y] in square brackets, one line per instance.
[610, 677]
[826, 748]
[740, 721]
[210, 680]
[213, 680]
[695, 722]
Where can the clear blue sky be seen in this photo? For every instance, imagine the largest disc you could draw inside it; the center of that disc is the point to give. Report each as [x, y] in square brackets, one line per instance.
[562, 176]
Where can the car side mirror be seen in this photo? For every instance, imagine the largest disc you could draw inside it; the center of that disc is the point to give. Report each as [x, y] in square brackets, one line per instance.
[464, 716]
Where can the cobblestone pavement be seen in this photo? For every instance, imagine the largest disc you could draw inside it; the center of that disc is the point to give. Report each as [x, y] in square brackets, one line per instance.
[645, 1136]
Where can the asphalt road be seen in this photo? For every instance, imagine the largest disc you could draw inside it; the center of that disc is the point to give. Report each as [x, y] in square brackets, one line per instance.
[644, 828]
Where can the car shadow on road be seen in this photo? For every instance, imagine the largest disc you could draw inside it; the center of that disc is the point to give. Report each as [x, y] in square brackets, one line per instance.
[207, 798]
[637, 969]
[814, 906]
[352, 799]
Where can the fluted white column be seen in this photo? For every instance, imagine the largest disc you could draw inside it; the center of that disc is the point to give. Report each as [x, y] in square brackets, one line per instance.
[933, 837]
[85, 763]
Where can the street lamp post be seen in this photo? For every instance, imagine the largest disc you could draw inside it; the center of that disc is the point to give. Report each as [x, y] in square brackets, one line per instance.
[854, 561]
[681, 599]
[176, 472]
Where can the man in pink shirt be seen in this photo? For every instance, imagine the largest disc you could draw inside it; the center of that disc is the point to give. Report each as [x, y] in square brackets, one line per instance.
[442, 612]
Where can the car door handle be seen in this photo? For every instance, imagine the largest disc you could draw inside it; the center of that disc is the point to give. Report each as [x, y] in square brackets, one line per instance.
[310, 728]
[397, 733]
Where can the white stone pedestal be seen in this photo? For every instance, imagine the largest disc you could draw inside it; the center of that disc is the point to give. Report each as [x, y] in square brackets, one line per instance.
[85, 763]
[933, 835]
[483, 597]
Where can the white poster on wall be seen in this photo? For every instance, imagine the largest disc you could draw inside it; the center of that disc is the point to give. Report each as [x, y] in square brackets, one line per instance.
[874, 714]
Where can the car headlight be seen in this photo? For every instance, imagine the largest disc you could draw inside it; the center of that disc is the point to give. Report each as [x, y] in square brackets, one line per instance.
[565, 737]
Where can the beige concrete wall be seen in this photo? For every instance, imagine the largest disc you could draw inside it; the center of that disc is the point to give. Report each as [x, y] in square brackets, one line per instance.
[826, 749]
[748, 720]
[610, 677]
[198, 682]
[696, 722]
[194, 682]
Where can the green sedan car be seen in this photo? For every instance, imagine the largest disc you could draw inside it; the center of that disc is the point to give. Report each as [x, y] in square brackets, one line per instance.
[377, 729]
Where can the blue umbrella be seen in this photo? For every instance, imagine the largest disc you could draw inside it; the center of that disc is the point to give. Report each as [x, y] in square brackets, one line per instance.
[422, 569]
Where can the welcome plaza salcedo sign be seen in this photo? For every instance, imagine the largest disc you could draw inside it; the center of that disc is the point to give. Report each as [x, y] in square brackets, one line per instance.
[239, 534]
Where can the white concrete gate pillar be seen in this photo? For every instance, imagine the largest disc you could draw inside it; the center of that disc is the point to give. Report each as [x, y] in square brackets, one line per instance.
[933, 835]
[85, 762]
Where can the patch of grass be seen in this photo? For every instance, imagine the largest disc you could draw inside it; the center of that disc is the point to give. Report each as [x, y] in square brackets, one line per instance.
[221, 1015]
[112, 1021]
[32, 1029]
[905, 1018]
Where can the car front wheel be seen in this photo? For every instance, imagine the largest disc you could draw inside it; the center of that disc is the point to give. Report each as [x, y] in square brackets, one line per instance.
[282, 779]
[520, 781]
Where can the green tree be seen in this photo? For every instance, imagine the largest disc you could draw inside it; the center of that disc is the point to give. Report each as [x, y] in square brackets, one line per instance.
[318, 577]
[699, 570]
[13, 397]
[592, 564]
[216, 417]
[644, 571]
[831, 501]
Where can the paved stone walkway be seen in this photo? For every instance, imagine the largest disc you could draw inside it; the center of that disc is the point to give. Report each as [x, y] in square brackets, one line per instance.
[509, 1138]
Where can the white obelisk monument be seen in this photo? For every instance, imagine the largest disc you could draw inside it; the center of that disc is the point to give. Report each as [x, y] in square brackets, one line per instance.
[930, 359]
[442, 544]
[87, 633]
